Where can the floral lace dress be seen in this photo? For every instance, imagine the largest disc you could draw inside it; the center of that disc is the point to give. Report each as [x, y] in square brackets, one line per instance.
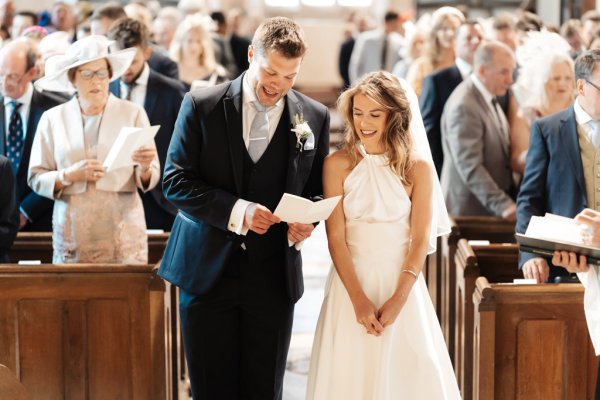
[99, 226]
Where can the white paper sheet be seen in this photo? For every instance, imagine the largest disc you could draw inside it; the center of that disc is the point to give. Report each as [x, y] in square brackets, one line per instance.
[128, 141]
[298, 209]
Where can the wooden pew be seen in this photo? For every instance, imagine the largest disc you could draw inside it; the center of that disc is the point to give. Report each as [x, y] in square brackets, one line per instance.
[496, 262]
[38, 246]
[10, 387]
[84, 331]
[494, 229]
[531, 342]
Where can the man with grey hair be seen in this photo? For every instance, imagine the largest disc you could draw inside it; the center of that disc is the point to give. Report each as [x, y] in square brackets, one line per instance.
[21, 107]
[563, 163]
[476, 176]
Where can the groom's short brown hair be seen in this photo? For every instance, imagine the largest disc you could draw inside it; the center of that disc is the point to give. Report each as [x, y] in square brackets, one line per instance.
[279, 34]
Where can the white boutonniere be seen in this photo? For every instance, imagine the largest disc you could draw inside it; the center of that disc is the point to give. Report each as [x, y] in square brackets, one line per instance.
[305, 140]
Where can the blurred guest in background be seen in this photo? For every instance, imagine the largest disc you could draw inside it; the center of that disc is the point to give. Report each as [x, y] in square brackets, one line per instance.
[439, 47]
[21, 107]
[192, 49]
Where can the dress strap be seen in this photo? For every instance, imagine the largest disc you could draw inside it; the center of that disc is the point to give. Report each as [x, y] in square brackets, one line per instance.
[362, 150]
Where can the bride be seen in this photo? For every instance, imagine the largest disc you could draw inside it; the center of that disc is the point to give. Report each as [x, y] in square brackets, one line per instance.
[378, 336]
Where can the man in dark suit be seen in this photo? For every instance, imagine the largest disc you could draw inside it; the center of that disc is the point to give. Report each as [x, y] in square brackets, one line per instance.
[229, 163]
[160, 96]
[101, 21]
[9, 209]
[438, 86]
[21, 108]
[560, 172]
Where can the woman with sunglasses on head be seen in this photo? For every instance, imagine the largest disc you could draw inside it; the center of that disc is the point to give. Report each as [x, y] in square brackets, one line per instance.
[98, 215]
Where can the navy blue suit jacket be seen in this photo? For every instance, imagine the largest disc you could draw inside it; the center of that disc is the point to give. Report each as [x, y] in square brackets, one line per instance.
[160, 62]
[163, 99]
[203, 179]
[37, 208]
[9, 209]
[553, 181]
[435, 91]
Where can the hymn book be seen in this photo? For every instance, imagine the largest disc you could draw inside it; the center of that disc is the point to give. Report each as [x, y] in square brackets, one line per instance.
[551, 232]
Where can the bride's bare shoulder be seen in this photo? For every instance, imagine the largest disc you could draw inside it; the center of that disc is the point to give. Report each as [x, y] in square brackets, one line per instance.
[339, 160]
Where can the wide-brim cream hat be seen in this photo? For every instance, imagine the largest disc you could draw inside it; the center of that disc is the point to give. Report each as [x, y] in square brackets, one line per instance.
[81, 52]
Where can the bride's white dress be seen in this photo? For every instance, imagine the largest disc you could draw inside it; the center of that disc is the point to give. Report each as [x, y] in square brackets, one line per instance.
[410, 359]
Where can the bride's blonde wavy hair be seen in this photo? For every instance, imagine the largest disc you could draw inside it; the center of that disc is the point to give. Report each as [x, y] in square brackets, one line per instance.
[384, 89]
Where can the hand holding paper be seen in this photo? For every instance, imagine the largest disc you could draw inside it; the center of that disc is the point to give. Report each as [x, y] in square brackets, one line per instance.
[298, 209]
[129, 140]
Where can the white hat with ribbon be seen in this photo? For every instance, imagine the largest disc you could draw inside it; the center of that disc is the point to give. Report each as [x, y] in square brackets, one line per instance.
[81, 52]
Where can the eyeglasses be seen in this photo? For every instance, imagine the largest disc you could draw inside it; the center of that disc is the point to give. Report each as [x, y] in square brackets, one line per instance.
[11, 78]
[88, 74]
[595, 86]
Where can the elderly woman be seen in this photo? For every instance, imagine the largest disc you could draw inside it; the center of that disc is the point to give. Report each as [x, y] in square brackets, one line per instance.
[546, 85]
[98, 215]
[192, 49]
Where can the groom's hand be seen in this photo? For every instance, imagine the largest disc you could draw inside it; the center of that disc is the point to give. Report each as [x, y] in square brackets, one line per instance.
[298, 232]
[259, 219]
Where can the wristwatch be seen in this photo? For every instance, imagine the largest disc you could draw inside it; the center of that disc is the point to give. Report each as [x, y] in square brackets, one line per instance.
[62, 178]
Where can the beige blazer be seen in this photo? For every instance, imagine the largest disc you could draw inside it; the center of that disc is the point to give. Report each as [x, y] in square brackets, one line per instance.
[59, 143]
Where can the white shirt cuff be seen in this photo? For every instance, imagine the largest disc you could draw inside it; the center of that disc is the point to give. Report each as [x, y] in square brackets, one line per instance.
[236, 218]
[298, 245]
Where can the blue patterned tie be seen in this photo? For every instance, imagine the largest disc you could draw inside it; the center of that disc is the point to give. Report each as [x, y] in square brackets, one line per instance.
[14, 142]
[259, 132]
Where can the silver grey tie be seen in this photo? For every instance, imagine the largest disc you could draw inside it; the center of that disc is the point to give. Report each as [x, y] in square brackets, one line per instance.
[259, 132]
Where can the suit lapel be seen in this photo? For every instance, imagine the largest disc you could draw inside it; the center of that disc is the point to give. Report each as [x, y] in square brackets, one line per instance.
[492, 118]
[569, 141]
[150, 100]
[233, 118]
[294, 107]
[36, 110]
[115, 88]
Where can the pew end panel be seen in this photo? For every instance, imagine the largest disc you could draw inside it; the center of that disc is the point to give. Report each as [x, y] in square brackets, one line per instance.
[84, 331]
[532, 342]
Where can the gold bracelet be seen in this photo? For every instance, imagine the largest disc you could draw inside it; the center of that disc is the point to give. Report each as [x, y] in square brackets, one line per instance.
[410, 271]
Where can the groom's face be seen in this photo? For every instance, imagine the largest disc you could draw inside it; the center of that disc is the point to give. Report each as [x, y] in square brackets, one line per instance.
[272, 75]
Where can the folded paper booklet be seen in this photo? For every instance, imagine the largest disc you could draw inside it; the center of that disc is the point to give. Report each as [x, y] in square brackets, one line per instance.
[129, 140]
[551, 232]
[298, 209]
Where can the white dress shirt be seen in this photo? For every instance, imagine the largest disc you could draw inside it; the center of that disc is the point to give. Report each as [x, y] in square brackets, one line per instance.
[583, 119]
[138, 93]
[464, 67]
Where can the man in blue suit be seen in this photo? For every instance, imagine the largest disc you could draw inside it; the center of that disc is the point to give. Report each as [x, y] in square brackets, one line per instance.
[17, 70]
[561, 172]
[160, 96]
[438, 86]
[232, 156]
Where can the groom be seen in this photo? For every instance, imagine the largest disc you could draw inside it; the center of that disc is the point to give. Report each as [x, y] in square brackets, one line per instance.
[232, 156]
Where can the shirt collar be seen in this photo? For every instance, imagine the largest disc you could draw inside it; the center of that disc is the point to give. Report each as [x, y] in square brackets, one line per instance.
[464, 67]
[25, 100]
[143, 78]
[249, 96]
[488, 97]
[581, 116]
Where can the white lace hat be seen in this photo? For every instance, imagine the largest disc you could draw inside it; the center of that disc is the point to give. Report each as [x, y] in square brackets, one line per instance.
[81, 52]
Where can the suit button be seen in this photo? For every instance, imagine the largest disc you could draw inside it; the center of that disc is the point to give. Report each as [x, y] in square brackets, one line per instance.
[230, 236]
